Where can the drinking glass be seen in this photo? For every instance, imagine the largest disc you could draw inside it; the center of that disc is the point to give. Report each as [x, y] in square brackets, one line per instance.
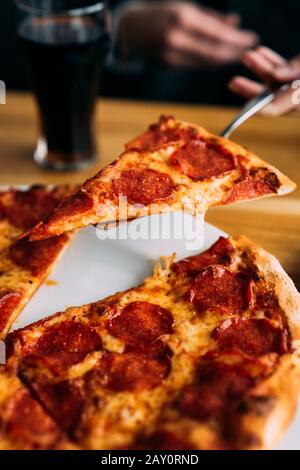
[64, 43]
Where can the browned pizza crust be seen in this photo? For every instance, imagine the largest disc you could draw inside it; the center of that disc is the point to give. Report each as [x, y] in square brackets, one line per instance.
[265, 421]
[285, 289]
[267, 411]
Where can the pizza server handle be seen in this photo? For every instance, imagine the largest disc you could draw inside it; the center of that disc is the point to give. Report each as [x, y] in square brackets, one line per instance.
[252, 107]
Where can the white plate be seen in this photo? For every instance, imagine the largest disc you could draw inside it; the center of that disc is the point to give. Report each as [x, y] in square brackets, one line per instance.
[94, 268]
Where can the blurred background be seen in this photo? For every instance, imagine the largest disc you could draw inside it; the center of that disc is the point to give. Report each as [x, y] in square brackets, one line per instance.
[217, 52]
[175, 51]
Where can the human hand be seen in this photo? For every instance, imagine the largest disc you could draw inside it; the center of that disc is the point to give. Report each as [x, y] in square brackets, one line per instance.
[181, 34]
[271, 69]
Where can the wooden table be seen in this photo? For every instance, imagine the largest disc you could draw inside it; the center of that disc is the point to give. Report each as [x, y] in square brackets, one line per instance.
[274, 223]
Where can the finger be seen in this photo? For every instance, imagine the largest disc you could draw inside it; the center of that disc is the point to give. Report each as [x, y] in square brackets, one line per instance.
[202, 48]
[227, 34]
[233, 19]
[281, 105]
[271, 55]
[245, 87]
[202, 23]
[288, 72]
[296, 61]
[266, 70]
[259, 65]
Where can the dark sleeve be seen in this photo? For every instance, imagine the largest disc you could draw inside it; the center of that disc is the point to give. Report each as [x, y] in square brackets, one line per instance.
[12, 69]
[115, 3]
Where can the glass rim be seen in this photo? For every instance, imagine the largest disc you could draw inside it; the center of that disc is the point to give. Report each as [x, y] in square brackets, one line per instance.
[96, 7]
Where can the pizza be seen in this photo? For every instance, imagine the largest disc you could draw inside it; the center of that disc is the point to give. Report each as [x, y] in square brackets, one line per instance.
[24, 425]
[200, 356]
[173, 166]
[24, 265]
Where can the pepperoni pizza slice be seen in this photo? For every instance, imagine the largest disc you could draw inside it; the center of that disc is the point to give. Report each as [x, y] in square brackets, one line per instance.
[173, 166]
[24, 424]
[24, 265]
[200, 356]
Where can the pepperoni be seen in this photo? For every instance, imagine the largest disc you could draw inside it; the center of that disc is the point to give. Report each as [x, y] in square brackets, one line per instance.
[144, 186]
[37, 256]
[131, 371]
[258, 182]
[64, 344]
[27, 208]
[254, 337]
[9, 300]
[218, 385]
[25, 420]
[247, 189]
[218, 253]
[76, 204]
[64, 401]
[153, 139]
[165, 132]
[218, 287]
[202, 160]
[268, 176]
[140, 323]
[266, 300]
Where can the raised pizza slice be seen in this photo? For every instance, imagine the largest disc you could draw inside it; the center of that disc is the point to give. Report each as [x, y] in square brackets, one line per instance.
[200, 356]
[24, 265]
[173, 166]
[24, 424]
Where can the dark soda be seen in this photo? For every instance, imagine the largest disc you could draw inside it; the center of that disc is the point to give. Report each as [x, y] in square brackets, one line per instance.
[63, 56]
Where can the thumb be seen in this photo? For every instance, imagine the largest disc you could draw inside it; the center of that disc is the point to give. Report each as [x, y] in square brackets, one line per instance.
[283, 104]
[289, 71]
